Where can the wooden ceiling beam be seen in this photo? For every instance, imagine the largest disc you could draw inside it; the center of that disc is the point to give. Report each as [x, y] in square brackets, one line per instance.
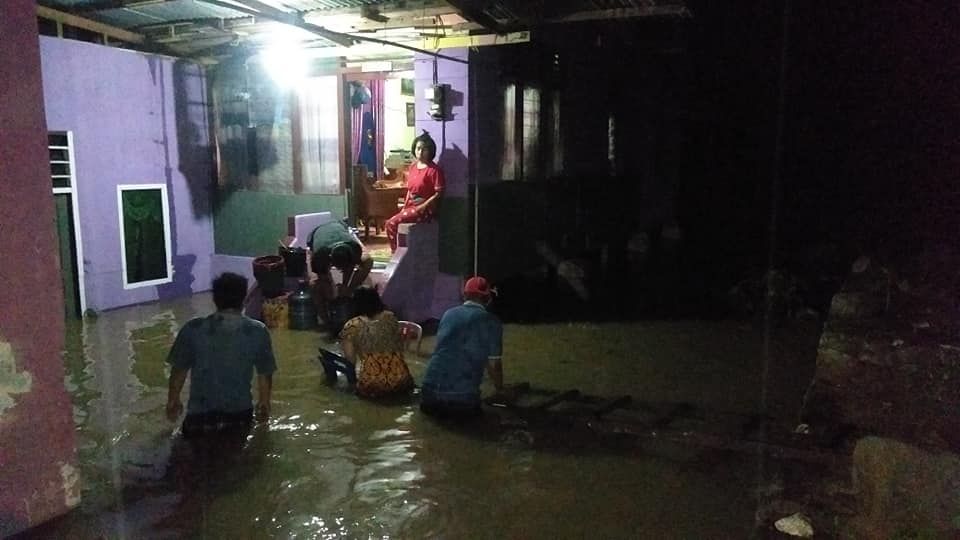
[103, 5]
[257, 8]
[428, 45]
[398, 19]
[93, 26]
[623, 13]
[389, 9]
[470, 11]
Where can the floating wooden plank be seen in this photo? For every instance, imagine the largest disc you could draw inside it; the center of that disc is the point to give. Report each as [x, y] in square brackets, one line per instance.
[562, 396]
[508, 398]
[678, 410]
[611, 404]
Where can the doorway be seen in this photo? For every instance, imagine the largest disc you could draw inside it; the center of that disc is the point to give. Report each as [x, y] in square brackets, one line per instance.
[68, 255]
[67, 222]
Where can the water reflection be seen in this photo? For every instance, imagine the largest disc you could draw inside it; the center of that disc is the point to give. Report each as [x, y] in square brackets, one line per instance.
[328, 465]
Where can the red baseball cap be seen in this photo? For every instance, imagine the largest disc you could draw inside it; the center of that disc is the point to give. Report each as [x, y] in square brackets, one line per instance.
[477, 285]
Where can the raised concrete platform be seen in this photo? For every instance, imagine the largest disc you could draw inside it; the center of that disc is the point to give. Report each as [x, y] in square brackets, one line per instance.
[415, 288]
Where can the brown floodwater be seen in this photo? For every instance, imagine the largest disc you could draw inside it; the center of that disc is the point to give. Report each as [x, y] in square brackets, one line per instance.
[329, 465]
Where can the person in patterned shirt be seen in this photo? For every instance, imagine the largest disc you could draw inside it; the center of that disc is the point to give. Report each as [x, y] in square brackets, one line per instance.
[372, 342]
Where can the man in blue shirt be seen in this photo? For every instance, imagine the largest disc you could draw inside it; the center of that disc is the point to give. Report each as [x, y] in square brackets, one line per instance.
[220, 352]
[469, 342]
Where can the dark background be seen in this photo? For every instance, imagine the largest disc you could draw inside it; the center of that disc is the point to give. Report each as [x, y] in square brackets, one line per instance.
[791, 135]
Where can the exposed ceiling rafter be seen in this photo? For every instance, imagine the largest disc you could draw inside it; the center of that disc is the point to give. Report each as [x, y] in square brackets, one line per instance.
[390, 9]
[623, 13]
[257, 8]
[215, 29]
[93, 26]
[373, 14]
[428, 45]
[103, 5]
[476, 14]
[427, 17]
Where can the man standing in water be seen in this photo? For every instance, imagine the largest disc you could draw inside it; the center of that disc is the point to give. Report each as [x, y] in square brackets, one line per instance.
[469, 342]
[220, 352]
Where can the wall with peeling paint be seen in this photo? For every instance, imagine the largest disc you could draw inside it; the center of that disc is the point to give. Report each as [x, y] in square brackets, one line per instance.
[35, 411]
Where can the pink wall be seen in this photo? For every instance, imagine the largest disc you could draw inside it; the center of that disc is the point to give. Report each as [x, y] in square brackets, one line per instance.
[37, 450]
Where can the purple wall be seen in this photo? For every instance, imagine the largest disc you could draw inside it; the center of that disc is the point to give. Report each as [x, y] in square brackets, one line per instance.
[136, 119]
[437, 291]
[452, 136]
[38, 478]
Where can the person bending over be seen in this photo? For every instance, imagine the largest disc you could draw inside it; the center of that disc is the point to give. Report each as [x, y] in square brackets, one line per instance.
[220, 353]
[334, 245]
[469, 342]
[372, 342]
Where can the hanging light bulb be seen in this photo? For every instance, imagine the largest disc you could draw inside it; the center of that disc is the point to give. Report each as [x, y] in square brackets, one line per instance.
[284, 60]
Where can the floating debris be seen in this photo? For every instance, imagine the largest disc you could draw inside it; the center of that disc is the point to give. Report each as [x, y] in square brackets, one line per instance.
[795, 525]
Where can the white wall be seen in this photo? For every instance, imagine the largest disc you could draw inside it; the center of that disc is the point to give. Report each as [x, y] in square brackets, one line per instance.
[396, 132]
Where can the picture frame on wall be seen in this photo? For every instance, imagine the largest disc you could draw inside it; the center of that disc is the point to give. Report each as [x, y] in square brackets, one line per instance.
[406, 87]
[411, 115]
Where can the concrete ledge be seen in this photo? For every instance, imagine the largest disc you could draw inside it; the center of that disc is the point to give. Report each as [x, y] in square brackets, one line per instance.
[415, 288]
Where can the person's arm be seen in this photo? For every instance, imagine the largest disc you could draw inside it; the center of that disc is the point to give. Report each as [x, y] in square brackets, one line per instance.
[174, 407]
[265, 364]
[494, 362]
[495, 370]
[264, 389]
[344, 288]
[427, 204]
[347, 339]
[348, 350]
[181, 359]
[438, 182]
[360, 272]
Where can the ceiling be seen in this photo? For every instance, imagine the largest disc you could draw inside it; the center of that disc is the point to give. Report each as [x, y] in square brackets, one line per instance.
[209, 30]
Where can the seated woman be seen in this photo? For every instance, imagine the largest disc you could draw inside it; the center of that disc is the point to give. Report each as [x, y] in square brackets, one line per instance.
[372, 342]
[424, 186]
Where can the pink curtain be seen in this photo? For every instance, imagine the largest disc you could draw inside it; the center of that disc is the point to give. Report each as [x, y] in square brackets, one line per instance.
[376, 107]
[356, 122]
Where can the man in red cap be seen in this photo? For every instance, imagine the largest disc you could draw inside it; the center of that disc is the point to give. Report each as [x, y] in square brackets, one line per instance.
[469, 342]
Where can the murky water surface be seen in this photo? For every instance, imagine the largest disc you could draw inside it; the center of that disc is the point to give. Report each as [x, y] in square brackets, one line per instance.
[328, 465]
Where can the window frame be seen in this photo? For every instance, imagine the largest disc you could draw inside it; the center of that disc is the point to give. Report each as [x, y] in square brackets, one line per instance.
[165, 206]
[73, 191]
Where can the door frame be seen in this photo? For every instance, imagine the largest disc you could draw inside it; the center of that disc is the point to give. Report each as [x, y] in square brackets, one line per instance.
[75, 203]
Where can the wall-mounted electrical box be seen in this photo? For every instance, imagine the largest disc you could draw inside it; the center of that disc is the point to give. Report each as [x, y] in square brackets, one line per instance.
[437, 96]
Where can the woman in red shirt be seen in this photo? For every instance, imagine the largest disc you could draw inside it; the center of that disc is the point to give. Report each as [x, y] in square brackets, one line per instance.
[424, 186]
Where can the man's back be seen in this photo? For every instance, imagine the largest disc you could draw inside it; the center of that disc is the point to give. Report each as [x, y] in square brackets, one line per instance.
[221, 351]
[328, 234]
[468, 337]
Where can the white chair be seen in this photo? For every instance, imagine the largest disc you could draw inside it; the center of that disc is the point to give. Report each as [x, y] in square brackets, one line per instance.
[411, 331]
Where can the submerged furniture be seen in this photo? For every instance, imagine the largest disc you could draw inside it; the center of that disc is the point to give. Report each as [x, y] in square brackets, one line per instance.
[411, 331]
[375, 205]
[333, 363]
